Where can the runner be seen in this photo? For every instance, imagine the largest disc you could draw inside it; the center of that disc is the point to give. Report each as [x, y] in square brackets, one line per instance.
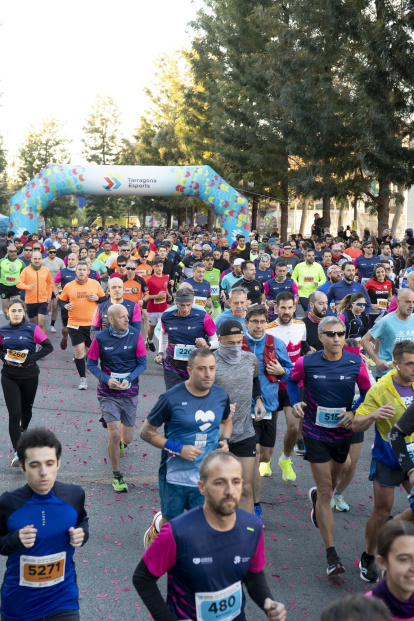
[37, 282]
[379, 289]
[340, 289]
[318, 304]
[98, 266]
[10, 268]
[201, 287]
[254, 288]
[365, 263]
[157, 299]
[196, 417]
[213, 277]
[293, 333]
[263, 270]
[100, 319]
[24, 513]
[80, 298]
[217, 531]
[308, 276]
[273, 287]
[238, 306]
[183, 329]
[327, 421]
[54, 265]
[230, 279]
[62, 278]
[384, 405]
[188, 261]
[352, 312]
[20, 373]
[121, 351]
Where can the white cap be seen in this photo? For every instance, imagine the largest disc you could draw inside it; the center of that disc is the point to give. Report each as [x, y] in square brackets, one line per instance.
[238, 261]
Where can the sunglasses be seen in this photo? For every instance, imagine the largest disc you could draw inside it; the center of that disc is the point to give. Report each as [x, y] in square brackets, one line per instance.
[131, 269]
[52, 251]
[12, 251]
[360, 303]
[331, 333]
[28, 249]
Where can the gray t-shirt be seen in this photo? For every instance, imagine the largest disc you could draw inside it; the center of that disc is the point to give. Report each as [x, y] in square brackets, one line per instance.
[237, 381]
[54, 266]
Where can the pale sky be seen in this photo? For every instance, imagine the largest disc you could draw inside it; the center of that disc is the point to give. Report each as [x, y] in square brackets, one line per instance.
[57, 56]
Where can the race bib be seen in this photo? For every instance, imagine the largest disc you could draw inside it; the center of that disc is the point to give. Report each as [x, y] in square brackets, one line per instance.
[267, 416]
[215, 289]
[221, 605]
[119, 377]
[329, 417]
[333, 307]
[308, 279]
[16, 356]
[382, 303]
[160, 300]
[182, 352]
[11, 279]
[73, 327]
[289, 267]
[200, 301]
[410, 449]
[42, 571]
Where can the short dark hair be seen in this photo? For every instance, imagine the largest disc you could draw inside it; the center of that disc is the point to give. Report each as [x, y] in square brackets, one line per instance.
[38, 437]
[207, 255]
[256, 309]
[121, 260]
[244, 265]
[280, 264]
[343, 266]
[284, 296]
[142, 250]
[204, 352]
[356, 608]
[326, 250]
[217, 454]
[401, 348]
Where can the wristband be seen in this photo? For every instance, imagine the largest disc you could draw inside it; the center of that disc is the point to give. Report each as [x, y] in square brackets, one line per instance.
[227, 440]
[173, 447]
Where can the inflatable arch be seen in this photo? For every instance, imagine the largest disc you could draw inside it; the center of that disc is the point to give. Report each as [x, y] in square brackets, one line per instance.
[195, 181]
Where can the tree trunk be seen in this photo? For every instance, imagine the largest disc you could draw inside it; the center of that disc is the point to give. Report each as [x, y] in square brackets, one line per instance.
[397, 216]
[255, 209]
[341, 213]
[284, 207]
[326, 216]
[304, 216]
[210, 219]
[383, 205]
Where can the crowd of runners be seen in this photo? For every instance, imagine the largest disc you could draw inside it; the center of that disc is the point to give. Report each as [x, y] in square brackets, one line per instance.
[319, 330]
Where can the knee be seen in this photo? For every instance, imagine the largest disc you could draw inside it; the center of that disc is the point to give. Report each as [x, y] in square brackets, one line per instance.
[115, 436]
[247, 490]
[293, 425]
[325, 491]
[382, 512]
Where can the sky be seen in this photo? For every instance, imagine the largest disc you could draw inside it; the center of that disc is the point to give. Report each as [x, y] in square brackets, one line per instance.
[57, 56]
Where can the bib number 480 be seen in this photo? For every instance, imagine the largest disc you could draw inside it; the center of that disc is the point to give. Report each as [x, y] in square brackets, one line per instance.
[222, 605]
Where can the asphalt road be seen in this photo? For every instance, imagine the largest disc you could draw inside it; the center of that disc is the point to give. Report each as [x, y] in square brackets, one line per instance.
[295, 558]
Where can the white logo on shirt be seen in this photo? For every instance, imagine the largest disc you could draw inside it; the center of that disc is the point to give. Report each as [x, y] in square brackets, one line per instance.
[204, 417]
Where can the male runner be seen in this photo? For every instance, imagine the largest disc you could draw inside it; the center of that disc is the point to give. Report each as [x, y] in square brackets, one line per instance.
[238, 306]
[37, 281]
[157, 298]
[201, 287]
[340, 289]
[62, 278]
[365, 263]
[54, 265]
[281, 282]
[318, 303]
[196, 418]
[41, 524]
[308, 276]
[213, 277]
[121, 351]
[220, 532]
[80, 298]
[329, 377]
[100, 319]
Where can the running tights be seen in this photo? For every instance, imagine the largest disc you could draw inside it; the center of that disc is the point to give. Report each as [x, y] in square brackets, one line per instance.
[19, 395]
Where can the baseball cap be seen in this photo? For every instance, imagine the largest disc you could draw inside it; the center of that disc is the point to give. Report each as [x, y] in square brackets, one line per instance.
[265, 256]
[238, 262]
[409, 230]
[230, 326]
[332, 268]
[272, 240]
[184, 295]
[336, 247]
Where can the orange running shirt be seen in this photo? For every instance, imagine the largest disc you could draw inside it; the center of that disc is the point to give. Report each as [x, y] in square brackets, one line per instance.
[83, 308]
[134, 289]
[144, 270]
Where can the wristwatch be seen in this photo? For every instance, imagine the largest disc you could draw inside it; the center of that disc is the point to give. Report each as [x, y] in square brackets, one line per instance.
[259, 397]
[227, 440]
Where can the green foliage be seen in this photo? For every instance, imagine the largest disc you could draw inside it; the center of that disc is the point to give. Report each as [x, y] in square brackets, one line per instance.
[4, 184]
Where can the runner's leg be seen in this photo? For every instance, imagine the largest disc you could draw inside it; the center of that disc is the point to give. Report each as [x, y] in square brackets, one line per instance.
[248, 470]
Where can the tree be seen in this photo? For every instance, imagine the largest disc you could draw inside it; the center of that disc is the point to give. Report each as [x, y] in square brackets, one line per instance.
[4, 184]
[102, 145]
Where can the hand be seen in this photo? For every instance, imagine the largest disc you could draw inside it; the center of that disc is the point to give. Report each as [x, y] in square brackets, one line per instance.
[270, 303]
[140, 303]
[375, 307]
[69, 306]
[161, 295]
[411, 478]
[113, 383]
[158, 359]
[297, 409]
[27, 536]
[382, 365]
[311, 351]
[171, 283]
[259, 411]
[210, 310]
[77, 535]
[384, 412]
[232, 410]
[300, 286]
[124, 384]
[275, 368]
[201, 342]
[366, 361]
[93, 297]
[222, 296]
[190, 452]
[223, 445]
[346, 419]
[48, 301]
[31, 287]
[274, 610]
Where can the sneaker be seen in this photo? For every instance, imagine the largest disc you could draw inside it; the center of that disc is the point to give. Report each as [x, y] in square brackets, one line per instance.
[53, 329]
[63, 344]
[119, 484]
[259, 513]
[151, 532]
[103, 422]
[312, 498]
[150, 346]
[368, 569]
[265, 469]
[83, 385]
[15, 460]
[300, 448]
[339, 503]
[285, 465]
[334, 564]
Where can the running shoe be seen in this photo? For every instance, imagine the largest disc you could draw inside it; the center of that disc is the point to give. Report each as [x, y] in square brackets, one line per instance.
[83, 384]
[150, 345]
[259, 513]
[53, 329]
[300, 448]
[368, 568]
[119, 484]
[339, 503]
[334, 564]
[265, 469]
[285, 465]
[151, 533]
[312, 498]
[63, 344]
[15, 460]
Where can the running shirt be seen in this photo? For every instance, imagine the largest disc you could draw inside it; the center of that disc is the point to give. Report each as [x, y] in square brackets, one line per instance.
[379, 292]
[64, 276]
[292, 336]
[390, 330]
[309, 276]
[144, 270]
[83, 308]
[99, 267]
[190, 420]
[202, 561]
[135, 289]
[365, 267]
[100, 316]
[10, 270]
[155, 285]
[329, 388]
[53, 266]
[202, 291]
[213, 277]
[52, 514]
[273, 287]
[264, 275]
[227, 314]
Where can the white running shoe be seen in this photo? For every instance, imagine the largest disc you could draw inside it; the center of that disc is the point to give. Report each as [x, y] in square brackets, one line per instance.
[83, 385]
[53, 329]
[15, 460]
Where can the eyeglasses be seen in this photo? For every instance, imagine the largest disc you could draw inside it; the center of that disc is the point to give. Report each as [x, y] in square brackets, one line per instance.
[331, 333]
[369, 247]
[12, 251]
[258, 323]
[360, 304]
[131, 268]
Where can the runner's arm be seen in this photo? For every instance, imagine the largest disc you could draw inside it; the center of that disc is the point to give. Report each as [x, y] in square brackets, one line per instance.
[396, 438]
[146, 585]
[92, 362]
[96, 323]
[140, 368]
[46, 348]
[257, 587]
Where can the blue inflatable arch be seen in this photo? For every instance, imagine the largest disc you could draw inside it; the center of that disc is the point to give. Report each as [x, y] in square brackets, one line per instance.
[196, 181]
